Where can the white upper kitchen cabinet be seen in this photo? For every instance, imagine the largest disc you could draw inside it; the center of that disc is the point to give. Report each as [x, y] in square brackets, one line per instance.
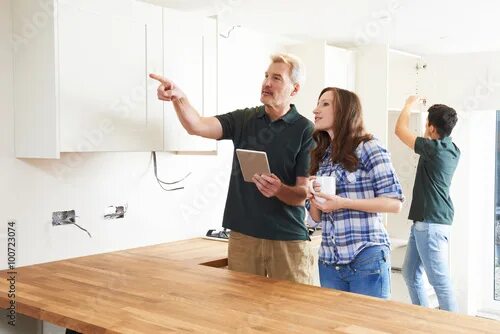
[371, 88]
[190, 61]
[326, 66]
[81, 76]
[385, 78]
[404, 73]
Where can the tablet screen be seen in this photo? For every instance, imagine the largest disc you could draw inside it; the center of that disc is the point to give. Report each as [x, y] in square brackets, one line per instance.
[252, 162]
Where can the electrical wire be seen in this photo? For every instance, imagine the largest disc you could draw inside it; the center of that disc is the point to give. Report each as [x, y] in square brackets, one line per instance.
[229, 32]
[71, 221]
[160, 182]
[81, 228]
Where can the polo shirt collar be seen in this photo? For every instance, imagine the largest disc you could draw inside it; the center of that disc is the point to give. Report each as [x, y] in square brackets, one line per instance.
[291, 116]
[261, 112]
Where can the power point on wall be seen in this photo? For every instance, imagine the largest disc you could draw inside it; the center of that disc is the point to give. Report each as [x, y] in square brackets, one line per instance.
[115, 212]
[66, 217]
[63, 217]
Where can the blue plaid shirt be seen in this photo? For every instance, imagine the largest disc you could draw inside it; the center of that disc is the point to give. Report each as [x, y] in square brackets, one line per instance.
[348, 232]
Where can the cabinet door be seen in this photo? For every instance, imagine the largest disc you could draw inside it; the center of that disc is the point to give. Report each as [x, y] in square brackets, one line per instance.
[190, 61]
[339, 68]
[403, 78]
[405, 163]
[34, 81]
[105, 51]
[326, 66]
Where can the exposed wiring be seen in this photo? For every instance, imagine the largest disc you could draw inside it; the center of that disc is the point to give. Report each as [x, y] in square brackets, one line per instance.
[61, 218]
[81, 228]
[229, 32]
[160, 182]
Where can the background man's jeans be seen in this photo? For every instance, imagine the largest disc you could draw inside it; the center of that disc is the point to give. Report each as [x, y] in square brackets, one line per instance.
[368, 274]
[428, 250]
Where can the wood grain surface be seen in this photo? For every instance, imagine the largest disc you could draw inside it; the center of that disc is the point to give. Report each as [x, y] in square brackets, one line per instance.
[163, 289]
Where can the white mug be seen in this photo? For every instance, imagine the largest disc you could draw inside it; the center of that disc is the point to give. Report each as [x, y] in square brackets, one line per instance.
[327, 184]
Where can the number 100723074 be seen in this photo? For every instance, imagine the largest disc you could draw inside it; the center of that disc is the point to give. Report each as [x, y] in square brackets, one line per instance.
[11, 244]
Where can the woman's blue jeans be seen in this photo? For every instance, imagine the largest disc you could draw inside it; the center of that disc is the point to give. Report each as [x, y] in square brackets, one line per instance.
[368, 274]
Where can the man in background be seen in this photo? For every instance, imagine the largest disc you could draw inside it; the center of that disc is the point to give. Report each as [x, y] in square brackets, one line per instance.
[431, 208]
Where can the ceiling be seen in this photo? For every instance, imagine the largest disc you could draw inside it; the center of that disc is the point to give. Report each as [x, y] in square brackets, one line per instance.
[417, 26]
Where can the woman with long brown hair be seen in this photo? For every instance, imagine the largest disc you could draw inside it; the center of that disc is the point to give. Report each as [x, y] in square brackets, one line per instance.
[355, 248]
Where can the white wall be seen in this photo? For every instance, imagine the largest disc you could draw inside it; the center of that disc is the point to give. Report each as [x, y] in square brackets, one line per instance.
[471, 245]
[243, 60]
[31, 189]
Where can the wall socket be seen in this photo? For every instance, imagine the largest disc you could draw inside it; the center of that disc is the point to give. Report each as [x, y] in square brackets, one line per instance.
[115, 212]
[63, 217]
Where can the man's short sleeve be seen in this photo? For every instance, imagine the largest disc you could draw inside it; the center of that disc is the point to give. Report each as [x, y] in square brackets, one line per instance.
[425, 147]
[231, 123]
[303, 161]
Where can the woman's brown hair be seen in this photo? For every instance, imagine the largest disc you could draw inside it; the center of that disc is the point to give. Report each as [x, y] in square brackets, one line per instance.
[348, 132]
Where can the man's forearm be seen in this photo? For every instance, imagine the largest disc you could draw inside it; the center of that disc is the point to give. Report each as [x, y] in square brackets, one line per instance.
[402, 129]
[292, 195]
[403, 121]
[188, 116]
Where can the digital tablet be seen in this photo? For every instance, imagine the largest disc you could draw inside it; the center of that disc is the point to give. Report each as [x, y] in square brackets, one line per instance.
[252, 162]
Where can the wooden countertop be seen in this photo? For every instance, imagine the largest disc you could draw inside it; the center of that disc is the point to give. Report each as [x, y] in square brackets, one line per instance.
[163, 289]
[211, 253]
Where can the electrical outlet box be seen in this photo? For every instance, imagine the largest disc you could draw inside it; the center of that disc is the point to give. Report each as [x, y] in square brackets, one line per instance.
[63, 217]
[115, 212]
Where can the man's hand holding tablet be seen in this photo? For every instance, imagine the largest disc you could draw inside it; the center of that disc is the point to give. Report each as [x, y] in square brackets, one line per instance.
[255, 168]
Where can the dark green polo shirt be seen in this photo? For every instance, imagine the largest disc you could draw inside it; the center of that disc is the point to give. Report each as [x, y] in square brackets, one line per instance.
[431, 193]
[287, 142]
